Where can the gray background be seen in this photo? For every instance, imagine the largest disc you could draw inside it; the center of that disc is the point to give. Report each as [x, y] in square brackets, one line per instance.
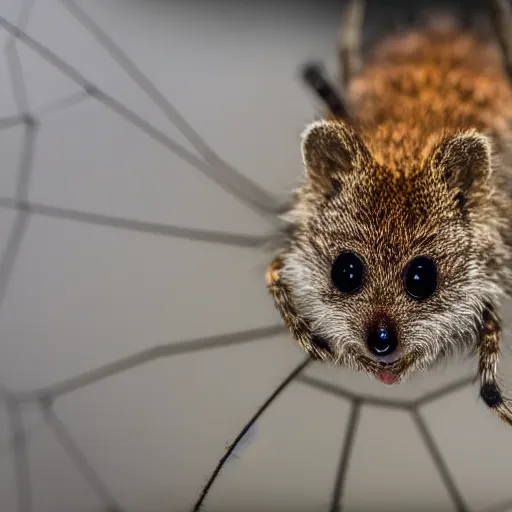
[118, 247]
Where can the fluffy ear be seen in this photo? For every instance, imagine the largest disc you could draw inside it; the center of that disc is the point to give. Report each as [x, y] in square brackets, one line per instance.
[330, 149]
[463, 160]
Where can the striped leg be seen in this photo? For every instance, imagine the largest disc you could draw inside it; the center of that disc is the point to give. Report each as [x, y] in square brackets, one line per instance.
[489, 353]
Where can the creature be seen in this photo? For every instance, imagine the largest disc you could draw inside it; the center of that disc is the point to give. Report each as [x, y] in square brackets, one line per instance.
[398, 245]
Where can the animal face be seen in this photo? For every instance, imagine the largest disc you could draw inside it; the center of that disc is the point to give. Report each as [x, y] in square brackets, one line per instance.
[388, 266]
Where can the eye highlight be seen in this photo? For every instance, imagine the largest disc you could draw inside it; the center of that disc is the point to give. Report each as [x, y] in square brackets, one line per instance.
[420, 278]
[347, 273]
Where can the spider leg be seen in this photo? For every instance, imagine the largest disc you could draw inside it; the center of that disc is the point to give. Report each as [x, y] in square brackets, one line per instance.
[489, 352]
[299, 328]
[315, 77]
[500, 12]
[349, 40]
[349, 50]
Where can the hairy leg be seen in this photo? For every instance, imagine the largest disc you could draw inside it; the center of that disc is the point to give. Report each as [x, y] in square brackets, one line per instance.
[489, 352]
[349, 50]
[315, 77]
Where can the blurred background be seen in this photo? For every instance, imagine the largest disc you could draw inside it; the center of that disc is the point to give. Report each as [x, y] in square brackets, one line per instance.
[137, 336]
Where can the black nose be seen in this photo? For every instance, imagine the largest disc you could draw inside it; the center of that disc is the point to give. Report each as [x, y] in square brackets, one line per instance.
[382, 340]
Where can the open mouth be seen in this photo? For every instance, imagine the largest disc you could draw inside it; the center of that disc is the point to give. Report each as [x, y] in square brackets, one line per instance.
[390, 358]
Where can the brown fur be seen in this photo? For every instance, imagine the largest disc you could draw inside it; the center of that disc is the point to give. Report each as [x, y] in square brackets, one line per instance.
[422, 168]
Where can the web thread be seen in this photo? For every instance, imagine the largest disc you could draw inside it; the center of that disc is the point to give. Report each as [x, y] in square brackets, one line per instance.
[207, 162]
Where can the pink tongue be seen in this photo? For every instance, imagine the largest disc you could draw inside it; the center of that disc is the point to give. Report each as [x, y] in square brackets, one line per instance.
[386, 377]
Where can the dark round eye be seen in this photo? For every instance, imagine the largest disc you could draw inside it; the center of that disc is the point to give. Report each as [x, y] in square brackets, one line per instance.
[347, 272]
[421, 278]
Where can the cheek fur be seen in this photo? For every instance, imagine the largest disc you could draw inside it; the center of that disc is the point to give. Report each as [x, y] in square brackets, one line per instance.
[454, 327]
[308, 283]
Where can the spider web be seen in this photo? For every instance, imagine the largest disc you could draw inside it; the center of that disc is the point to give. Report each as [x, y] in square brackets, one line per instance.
[215, 169]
